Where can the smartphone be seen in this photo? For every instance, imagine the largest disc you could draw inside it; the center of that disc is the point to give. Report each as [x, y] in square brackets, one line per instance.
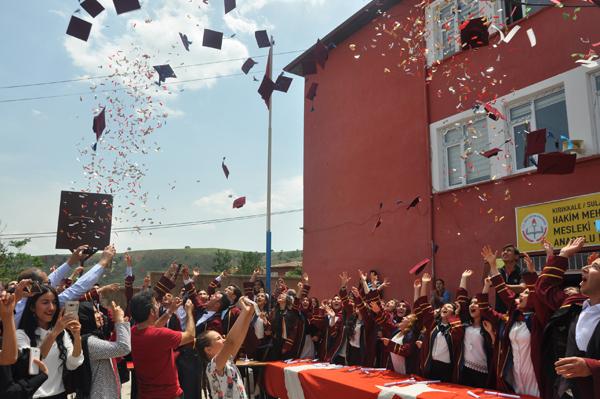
[72, 307]
[34, 354]
[35, 288]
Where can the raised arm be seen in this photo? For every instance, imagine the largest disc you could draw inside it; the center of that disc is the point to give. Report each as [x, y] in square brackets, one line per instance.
[462, 294]
[236, 335]
[104, 349]
[190, 325]
[9, 352]
[363, 281]
[484, 304]
[164, 318]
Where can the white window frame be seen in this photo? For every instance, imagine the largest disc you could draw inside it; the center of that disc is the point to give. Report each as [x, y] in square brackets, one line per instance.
[596, 106]
[434, 30]
[443, 151]
[531, 121]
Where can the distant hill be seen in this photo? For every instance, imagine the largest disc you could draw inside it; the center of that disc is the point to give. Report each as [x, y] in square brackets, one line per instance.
[159, 259]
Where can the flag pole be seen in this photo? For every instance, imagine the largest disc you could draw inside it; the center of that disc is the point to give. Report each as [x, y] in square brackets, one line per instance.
[268, 253]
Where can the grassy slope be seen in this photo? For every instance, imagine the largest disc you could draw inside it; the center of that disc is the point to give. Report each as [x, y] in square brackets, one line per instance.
[159, 259]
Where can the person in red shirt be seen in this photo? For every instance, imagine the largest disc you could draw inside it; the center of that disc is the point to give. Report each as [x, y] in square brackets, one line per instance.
[152, 348]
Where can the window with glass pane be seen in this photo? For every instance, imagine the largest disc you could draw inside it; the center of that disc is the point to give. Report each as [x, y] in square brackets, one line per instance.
[551, 113]
[452, 140]
[477, 141]
[467, 9]
[519, 120]
[597, 84]
[447, 28]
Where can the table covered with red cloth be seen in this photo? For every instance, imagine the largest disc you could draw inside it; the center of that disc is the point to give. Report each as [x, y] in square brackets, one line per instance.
[342, 383]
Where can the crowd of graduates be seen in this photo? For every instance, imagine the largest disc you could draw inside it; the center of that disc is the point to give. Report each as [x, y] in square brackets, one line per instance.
[541, 338]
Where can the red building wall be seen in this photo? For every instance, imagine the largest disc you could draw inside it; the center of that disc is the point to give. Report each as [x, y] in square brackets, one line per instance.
[462, 224]
[364, 143]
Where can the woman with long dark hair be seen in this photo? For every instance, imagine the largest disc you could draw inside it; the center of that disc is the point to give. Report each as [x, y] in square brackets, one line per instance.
[104, 381]
[43, 326]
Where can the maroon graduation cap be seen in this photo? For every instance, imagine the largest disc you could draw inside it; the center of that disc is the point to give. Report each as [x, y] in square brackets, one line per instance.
[262, 38]
[283, 83]
[474, 33]
[229, 5]
[84, 218]
[491, 152]
[535, 144]
[239, 202]
[123, 6]
[99, 124]
[248, 64]
[556, 163]
[312, 91]
[92, 7]
[321, 53]
[419, 267]
[212, 39]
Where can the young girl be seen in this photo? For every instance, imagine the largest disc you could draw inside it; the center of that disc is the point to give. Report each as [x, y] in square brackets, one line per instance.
[43, 326]
[223, 376]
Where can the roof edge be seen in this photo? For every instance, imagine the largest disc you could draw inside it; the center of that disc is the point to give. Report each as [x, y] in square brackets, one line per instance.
[359, 19]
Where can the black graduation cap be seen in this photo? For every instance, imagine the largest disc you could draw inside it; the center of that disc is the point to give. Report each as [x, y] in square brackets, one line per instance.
[474, 33]
[248, 64]
[266, 89]
[262, 38]
[123, 6]
[84, 218]
[79, 28]
[312, 91]
[491, 152]
[321, 53]
[185, 41]
[92, 7]
[99, 124]
[283, 83]
[212, 39]
[225, 168]
[229, 5]
[414, 203]
[556, 163]
[164, 72]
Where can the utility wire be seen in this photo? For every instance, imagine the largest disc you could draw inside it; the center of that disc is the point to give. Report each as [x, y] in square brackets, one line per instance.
[127, 229]
[15, 86]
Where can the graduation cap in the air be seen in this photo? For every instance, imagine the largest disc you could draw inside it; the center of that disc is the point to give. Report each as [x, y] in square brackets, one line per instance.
[229, 5]
[92, 7]
[535, 144]
[493, 113]
[556, 163]
[248, 64]
[414, 203]
[283, 83]
[95, 146]
[321, 53]
[185, 41]
[474, 33]
[123, 6]
[262, 38]
[419, 267]
[79, 28]
[225, 168]
[164, 72]
[84, 218]
[212, 39]
[99, 124]
[239, 202]
[491, 152]
[266, 89]
[312, 91]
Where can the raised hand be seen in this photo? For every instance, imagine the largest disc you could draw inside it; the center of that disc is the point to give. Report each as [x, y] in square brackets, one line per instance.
[128, 260]
[528, 262]
[547, 247]
[355, 292]
[78, 255]
[361, 275]
[300, 285]
[118, 313]
[107, 256]
[23, 289]
[175, 304]
[417, 283]
[146, 282]
[572, 247]
[104, 290]
[185, 273]
[246, 305]
[467, 273]
[592, 257]
[386, 283]
[426, 279]
[489, 256]
[170, 273]
[344, 279]
[7, 306]
[189, 306]
[329, 311]
[63, 320]
[196, 272]
[375, 307]
[305, 278]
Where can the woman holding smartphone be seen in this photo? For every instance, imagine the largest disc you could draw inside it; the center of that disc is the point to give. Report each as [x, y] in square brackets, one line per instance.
[43, 326]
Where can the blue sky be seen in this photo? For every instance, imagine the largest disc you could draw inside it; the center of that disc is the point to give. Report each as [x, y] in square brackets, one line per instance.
[45, 142]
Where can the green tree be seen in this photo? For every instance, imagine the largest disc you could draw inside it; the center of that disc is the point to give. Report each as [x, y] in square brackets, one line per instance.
[248, 262]
[221, 261]
[13, 262]
[296, 272]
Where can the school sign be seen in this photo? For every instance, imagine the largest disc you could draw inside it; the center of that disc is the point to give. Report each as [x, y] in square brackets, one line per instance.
[559, 221]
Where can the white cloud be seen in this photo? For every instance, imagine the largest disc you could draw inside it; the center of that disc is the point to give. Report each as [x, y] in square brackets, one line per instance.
[286, 195]
[60, 13]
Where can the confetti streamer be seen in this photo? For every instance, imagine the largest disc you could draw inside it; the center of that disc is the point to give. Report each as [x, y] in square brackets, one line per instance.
[531, 36]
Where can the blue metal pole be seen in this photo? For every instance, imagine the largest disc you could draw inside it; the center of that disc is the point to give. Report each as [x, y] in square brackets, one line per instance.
[268, 262]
